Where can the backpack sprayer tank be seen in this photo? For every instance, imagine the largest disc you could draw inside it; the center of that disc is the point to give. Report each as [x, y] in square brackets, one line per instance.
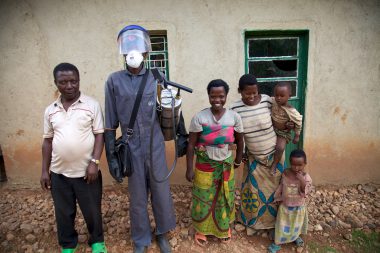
[168, 99]
[169, 108]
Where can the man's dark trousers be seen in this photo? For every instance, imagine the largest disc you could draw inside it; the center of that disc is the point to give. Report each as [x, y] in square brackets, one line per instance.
[66, 192]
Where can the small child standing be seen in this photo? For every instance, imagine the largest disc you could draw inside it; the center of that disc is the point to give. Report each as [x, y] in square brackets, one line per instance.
[292, 219]
[283, 112]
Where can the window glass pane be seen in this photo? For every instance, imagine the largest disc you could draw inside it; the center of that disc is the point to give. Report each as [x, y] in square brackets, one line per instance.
[268, 88]
[158, 46]
[158, 43]
[272, 47]
[157, 57]
[157, 39]
[274, 68]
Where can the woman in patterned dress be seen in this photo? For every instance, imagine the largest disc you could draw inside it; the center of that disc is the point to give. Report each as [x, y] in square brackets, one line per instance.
[257, 194]
[213, 132]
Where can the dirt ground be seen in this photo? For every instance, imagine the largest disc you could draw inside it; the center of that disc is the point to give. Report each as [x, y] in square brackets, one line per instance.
[27, 225]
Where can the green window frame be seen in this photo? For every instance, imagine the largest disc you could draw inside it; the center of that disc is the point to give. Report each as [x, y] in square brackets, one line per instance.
[158, 57]
[281, 55]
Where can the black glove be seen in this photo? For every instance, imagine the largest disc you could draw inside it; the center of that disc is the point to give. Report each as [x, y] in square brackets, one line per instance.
[182, 137]
[112, 158]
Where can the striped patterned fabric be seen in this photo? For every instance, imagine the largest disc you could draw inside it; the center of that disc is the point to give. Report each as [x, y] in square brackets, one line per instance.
[259, 136]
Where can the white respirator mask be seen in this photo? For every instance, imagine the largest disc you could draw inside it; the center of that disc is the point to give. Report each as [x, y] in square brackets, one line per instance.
[134, 59]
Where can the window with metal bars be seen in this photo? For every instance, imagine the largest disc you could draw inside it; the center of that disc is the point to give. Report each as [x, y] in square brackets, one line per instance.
[158, 57]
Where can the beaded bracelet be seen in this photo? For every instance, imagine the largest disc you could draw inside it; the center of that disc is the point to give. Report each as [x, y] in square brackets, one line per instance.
[237, 164]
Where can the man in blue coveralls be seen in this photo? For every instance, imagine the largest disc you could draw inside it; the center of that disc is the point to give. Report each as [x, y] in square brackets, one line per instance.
[120, 93]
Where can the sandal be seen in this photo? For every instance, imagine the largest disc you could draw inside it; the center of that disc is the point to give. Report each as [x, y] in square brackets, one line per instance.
[200, 239]
[228, 239]
[273, 248]
[299, 242]
[98, 247]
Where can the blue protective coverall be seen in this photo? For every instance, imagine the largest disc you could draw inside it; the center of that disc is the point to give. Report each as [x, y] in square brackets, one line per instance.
[120, 93]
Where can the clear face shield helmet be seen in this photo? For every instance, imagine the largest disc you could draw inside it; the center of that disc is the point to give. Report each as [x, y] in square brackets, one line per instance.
[133, 42]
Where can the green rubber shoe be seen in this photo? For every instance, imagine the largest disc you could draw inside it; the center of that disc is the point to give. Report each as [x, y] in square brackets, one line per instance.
[99, 247]
[68, 250]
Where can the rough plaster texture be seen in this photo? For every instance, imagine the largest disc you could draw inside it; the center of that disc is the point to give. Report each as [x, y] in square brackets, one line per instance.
[206, 41]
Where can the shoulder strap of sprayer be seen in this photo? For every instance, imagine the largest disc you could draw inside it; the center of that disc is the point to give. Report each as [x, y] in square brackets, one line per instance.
[159, 79]
[157, 75]
[137, 104]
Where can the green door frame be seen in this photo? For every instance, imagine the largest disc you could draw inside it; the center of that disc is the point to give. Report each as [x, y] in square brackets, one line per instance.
[299, 101]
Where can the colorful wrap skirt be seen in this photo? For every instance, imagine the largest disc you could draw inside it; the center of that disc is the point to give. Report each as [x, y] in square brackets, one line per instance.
[257, 209]
[290, 223]
[213, 207]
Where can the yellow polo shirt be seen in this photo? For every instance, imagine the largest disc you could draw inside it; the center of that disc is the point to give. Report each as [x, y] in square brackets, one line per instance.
[73, 134]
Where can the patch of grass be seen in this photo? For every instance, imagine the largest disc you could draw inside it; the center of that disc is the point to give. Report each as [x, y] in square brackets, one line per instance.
[365, 242]
[314, 247]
